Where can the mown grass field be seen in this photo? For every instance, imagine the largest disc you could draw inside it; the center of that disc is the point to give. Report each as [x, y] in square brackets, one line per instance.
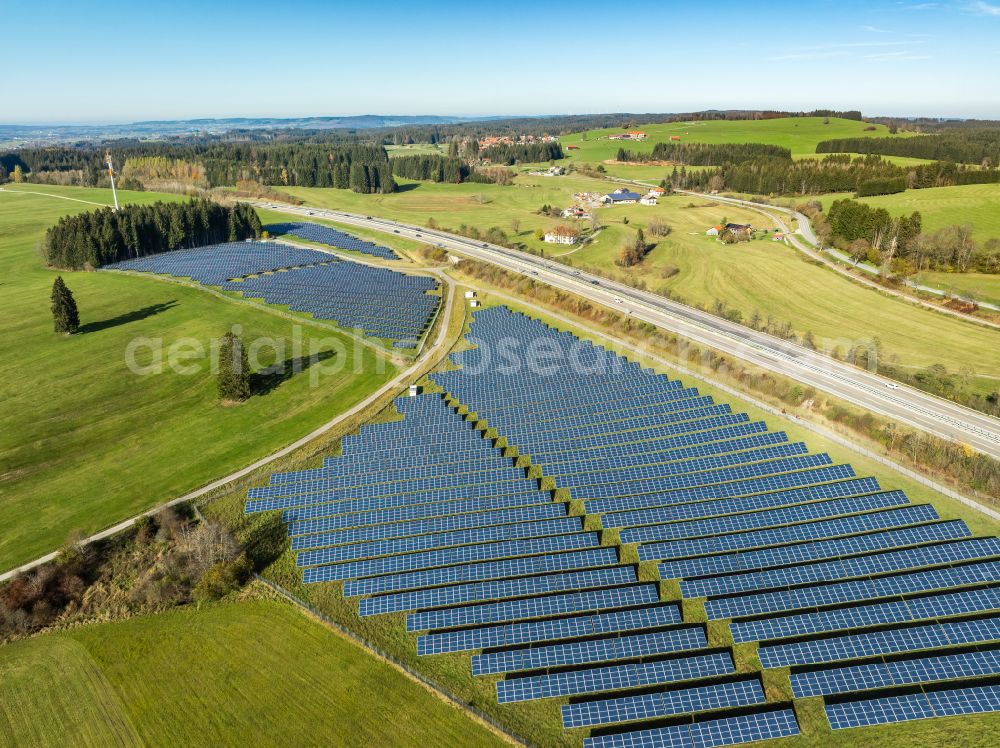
[974, 204]
[233, 674]
[417, 149]
[799, 134]
[84, 441]
[539, 722]
[978, 285]
[773, 279]
[478, 205]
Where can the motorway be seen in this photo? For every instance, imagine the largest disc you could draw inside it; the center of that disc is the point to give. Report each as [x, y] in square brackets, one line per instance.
[864, 389]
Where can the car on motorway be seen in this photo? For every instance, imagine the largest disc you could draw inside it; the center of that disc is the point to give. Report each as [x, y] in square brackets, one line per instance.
[368, 218]
[618, 300]
[418, 235]
[533, 272]
[892, 385]
[395, 231]
[596, 282]
[576, 272]
[486, 245]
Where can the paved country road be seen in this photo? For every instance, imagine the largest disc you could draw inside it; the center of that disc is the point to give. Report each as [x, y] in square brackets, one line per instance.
[864, 389]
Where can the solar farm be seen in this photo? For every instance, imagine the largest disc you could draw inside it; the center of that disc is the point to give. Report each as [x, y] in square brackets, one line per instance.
[317, 232]
[377, 301]
[607, 542]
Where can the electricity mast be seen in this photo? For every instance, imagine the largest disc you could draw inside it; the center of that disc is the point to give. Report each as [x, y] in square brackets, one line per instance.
[111, 173]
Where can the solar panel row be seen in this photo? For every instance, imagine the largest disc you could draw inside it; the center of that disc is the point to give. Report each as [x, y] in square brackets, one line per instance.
[376, 301]
[317, 232]
[423, 516]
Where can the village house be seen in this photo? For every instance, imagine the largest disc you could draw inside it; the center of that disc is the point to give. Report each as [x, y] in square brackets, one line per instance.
[648, 199]
[576, 212]
[621, 196]
[657, 191]
[631, 135]
[562, 235]
[552, 171]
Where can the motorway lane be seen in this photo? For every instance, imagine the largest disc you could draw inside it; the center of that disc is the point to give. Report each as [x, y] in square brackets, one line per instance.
[870, 391]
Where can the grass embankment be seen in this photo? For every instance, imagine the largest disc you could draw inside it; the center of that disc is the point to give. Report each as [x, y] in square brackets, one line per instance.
[256, 672]
[84, 441]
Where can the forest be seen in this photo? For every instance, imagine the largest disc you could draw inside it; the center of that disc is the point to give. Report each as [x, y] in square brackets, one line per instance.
[101, 237]
[872, 234]
[705, 154]
[862, 175]
[977, 146]
[521, 153]
[362, 168]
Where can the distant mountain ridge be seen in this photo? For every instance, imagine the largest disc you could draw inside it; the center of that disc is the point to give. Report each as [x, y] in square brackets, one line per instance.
[360, 121]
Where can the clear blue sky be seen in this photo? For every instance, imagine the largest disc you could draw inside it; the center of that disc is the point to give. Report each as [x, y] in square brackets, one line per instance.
[122, 61]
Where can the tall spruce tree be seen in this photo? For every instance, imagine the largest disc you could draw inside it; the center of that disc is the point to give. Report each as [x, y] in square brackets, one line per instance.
[234, 369]
[64, 311]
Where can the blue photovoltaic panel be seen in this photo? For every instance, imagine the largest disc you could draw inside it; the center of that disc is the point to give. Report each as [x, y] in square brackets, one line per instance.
[895, 673]
[655, 495]
[811, 551]
[590, 651]
[761, 519]
[379, 537]
[853, 646]
[614, 677]
[618, 597]
[423, 515]
[728, 731]
[856, 566]
[857, 523]
[700, 467]
[354, 563]
[648, 453]
[941, 605]
[663, 704]
[902, 708]
[375, 301]
[321, 234]
[519, 587]
[446, 556]
[540, 631]
[862, 589]
[734, 505]
[334, 519]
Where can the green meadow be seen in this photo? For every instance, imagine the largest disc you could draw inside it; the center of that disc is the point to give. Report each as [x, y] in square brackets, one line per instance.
[799, 134]
[232, 674]
[975, 204]
[775, 280]
[84, 441]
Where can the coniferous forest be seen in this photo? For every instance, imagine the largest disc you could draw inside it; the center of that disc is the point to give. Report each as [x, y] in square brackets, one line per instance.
[362, 168]
[965, 146]
[706, 154]
[101, 237]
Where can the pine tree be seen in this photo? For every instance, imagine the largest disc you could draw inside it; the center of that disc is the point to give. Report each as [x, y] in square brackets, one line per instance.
[234, 369]
[64, 312]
